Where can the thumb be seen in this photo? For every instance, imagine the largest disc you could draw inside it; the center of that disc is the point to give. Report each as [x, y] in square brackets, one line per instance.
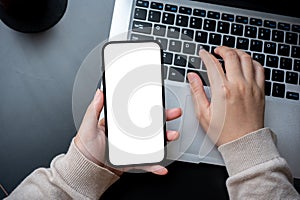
[200, 99]
[93, 111]
[98, 103]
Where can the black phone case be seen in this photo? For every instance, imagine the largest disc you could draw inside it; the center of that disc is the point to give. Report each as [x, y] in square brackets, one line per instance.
[105, 106]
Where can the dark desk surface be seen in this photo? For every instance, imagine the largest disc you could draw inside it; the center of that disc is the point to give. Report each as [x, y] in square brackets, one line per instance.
[37, 74]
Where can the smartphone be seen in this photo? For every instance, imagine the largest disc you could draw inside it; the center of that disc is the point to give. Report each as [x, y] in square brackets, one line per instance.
[134, 102]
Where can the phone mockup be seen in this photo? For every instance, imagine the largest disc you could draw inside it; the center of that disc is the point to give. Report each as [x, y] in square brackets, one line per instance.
[134, 107]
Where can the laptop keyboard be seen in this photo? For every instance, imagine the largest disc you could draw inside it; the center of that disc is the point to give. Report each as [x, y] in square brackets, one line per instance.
[183, 30]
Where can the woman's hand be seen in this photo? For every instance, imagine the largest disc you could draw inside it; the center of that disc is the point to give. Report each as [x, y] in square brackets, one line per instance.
[91, 138]
[237, 97]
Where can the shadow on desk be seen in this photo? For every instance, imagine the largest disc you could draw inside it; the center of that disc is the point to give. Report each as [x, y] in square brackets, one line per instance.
[184, 181]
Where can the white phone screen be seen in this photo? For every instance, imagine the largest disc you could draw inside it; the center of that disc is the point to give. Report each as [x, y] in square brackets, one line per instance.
[134, 102]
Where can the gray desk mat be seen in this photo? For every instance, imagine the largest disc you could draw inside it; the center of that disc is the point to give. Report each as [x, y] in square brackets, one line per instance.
[37, 73]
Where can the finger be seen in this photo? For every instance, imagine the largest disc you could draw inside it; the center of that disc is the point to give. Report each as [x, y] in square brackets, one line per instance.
[246, 65]
[215, 72]
[172, 135]
[198, 94]
[259, 74]
[92, 113]
[155, 169]
[232, 63]
[98, 102]
[102, 122]
[159, 170]
[173, 113]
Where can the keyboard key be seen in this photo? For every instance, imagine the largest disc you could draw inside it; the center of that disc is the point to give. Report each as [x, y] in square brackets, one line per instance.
[292, 95]
[297, 65]
[167, 58]
[141, 27]
[213, 15]
[255, 21]
[141, 37]
[228, 41]
[196, 22]
[269, 24]
[156, 5]
[237, 29]
[278, 90]
[175, 45]
[187, 34]
[203, 76]
[180, 60]
[228, 17]
[291, 38]
[159, 30]
[142, 3]
[264, 33]
[176, 74]
[291, 77]
[163, 42]
[259, 58]
[286, 63]
[296, 28]
[267, 73]
[277, 75]
[212, 51]
[295, 51]
[283, 50]
[209, 25]
[189, 48]
[256, 45]
[214, 38]
[199, 12]
[223, 27]
[270, 47]
[272, 61]
[201, 36]
[185, 10]
[154, 16]
[171, 8]
[194, 62]
[140, 13]
[277, 36]
[182, 20]
[173, 32]
[206, 47]
[168, 18]
[267, 88]
[241, 19]
[250, 31]
[242, 43]
[284, 26]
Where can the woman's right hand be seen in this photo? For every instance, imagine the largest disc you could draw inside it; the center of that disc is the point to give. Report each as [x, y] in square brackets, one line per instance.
[237, 97]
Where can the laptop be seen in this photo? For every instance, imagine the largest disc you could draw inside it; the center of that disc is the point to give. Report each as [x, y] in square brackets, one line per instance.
[268, 31]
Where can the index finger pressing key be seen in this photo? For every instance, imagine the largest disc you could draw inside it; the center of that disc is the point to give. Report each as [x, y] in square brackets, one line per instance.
[215, 72]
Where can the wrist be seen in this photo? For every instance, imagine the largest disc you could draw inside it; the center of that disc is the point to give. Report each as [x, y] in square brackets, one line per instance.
[91, 158]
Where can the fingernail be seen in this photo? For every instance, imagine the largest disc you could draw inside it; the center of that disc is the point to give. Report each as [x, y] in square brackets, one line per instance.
[201, 49]
[191, 77]
[97, 96]
[161, 171]
[173, 135]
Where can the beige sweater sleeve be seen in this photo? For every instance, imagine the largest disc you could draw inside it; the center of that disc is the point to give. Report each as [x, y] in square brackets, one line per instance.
[70, 176]
[256, 170]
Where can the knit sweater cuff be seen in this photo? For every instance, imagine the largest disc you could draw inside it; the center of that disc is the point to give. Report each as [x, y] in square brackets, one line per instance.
[82, 175]
[248, 151]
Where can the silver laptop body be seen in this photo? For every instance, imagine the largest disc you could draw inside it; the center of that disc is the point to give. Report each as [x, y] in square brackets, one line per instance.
[282, 114]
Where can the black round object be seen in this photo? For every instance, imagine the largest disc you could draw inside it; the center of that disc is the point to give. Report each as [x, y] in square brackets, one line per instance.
[32, 16]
